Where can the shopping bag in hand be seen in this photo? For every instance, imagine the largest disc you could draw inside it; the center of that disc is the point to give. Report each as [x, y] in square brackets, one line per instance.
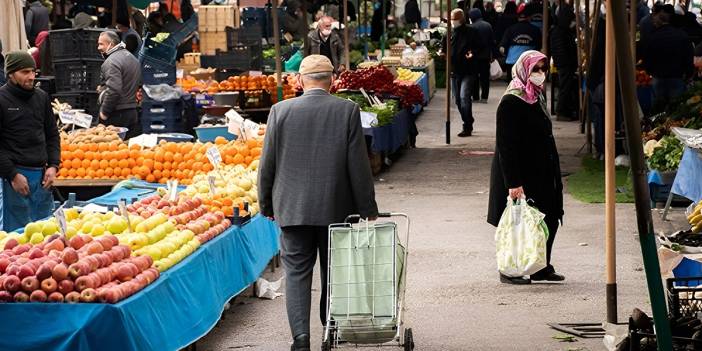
[520, 240]
[495, 70]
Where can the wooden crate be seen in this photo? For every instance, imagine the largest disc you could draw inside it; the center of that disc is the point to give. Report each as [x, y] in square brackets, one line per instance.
[191, 58]
[211, 41]
[215, 18]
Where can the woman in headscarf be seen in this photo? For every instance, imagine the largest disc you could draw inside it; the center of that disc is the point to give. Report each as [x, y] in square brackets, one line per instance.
[526, 159]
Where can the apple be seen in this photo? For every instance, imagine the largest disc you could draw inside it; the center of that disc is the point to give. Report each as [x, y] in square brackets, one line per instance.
[106, 242]
[125, 272]
[49, 285]
[20, 249]
[60, 272]
[25, 271]
[94, 248]
[110, 295]
[13, 269]
[36, 253]
[4, 262]
[11, 244]
[55, 297]
[38, 296]
[5, 296]
[72, 297]
[65, 286]
[23, 258]
[51, 237]
[77, 242]
[44, 272]
[93, 262]
[84, 282]
[88, 295]
[78, 269]
[69, 256]
[21, 296]
[86, 238]
[54, 245]
[30, 284]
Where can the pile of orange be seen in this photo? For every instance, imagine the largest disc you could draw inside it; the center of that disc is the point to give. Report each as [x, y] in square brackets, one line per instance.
[241, 83]
[166, 161]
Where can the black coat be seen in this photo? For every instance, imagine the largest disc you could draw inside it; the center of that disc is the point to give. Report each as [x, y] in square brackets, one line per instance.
[526, 156]
[503, 22]
[564, 50]
[669, 53]
[464, 39]
[412, 13]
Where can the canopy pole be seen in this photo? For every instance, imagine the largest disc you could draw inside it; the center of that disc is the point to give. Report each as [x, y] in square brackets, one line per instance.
[346, 34]
[633, 21]
[638, 170]
[448, 69]
[114, 13]
[544, 29]
[610, 179]
[579, 43]
[276, 42]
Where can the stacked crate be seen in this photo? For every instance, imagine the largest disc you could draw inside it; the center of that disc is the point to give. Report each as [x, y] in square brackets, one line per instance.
[77, 65]
[214, 20]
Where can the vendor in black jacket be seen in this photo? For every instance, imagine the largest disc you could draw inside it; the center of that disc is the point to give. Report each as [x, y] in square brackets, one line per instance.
[30, 147]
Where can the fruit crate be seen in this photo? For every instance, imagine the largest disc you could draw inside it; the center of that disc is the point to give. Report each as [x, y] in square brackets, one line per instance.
[47, 84]
[251, 36]
[684, 297]
[250, 99]
[155, 71]
[166, 110]
[77, 75]
[215, 18]
[167, 50]
[74, 44]
[83, 100]
[241, 57]
[161, 124]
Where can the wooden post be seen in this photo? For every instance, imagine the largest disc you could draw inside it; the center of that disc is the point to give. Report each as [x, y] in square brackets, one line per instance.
[114, 13]
[633, 21]
[346, 34]
[610, 178]
[276, 42]
[448, 70]
[544, 30]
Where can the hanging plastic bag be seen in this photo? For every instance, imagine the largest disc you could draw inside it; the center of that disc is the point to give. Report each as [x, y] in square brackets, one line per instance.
[520, 240]
[495, 70]
[293, 64]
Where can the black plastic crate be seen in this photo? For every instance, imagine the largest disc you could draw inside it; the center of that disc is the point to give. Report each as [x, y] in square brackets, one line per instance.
[242, 58]
[251, 99]
[170, 110]
[162, 125]
[74, 44]
[224, 74]
[154, 71]
[47, 84]
[684, 297]
[79, 75]
[643, 341]
[83, 100]
[251, 36]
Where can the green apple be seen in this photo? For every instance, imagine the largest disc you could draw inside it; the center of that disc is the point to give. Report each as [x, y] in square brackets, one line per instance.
[36, 238]
[153, 252]
[32, 228]
[117, 225]
[49, 228]
[97, 230]
[87, 227]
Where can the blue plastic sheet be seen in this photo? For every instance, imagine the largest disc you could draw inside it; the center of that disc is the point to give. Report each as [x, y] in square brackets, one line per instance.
[391, 137]
[181, 306]
[688, 179]
[144, 189]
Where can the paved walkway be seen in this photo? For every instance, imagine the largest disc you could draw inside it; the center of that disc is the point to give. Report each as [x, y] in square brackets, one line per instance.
[455, 300]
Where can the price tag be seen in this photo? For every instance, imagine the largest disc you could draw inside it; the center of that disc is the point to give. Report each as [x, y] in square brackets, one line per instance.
[144, 140]
[76, 118]
[125, 214]
[211, 181]
[172, 190]
[234, 122]
[251, 129]
[368, 119]
[214, 156]
[255, 73]
[60, 216]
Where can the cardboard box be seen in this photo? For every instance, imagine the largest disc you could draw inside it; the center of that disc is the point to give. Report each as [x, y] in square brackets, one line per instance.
[191, 58]
[211, 41]
[215, 18]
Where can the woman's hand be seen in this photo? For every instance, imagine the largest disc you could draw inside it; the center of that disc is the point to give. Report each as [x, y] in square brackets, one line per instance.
[516, 193]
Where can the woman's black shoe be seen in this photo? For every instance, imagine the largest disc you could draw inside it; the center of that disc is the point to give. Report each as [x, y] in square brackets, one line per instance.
[549, 276]
[301, 343]
[514, 280]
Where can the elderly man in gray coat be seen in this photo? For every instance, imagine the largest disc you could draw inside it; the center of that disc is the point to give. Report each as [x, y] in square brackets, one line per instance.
[314, 171]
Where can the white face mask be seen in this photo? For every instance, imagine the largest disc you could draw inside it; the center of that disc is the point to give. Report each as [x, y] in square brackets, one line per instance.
[455, 24]
[603, 9]
[537, 78]
[326, 32]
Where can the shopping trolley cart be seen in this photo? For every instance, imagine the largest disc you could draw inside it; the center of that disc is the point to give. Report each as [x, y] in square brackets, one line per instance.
[366, 284]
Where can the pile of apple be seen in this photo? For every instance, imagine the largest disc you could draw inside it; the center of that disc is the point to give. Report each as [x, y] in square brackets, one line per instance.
[80, 269]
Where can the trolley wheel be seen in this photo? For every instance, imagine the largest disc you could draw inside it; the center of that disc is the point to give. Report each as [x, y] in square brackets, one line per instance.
[326, 345]
[409, 340]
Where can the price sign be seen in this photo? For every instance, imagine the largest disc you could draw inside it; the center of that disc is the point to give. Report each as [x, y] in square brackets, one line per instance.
[172, 190]
[144, 140]
[125, 214]
[60, 216]
[251, 129]
[211, 181]
[368, 119]
[76, 118]
[214, 156]
[234, 122]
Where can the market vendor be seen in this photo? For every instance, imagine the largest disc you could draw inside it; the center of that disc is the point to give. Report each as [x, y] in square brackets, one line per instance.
[30, 147]
[120, 78]
[326, 42]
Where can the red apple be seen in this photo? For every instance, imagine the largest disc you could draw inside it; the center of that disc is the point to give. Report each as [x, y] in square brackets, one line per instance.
[106, 242]
[126, 251]
[11, 244]
[110, 295]
[86, 238]
[43, 272]
[65, 286]
[21, 296]
[54, 245]
[13, 269]
[72, 297]
[37, 296]
[55, 297]
[4, 262]
[77, 242]
[49, 285]
[114, 239]
[125, 273]
[36, 253]
[78, 269]
[30, 284]
[84, 282]
[18, 250]
[60, 272]
[5, 296]
[94, 248]
[52, 237]
[25, 271]
[88, 295]
[69, 255]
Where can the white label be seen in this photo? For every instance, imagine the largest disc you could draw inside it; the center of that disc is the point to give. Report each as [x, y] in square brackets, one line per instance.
[214, 156]
[60, 216]
[95, 208]
[251, 129]
[76, 118]
[255, 73]
[211, 181]
[125, 214]
[144, 140]
[368, 119]
[172, 190]
[234, 122]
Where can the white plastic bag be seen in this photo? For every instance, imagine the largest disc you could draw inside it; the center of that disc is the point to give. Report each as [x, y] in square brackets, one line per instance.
[520, 240]
[495, 70]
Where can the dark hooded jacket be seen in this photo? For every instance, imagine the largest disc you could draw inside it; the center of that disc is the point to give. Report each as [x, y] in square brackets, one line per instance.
[564, 50]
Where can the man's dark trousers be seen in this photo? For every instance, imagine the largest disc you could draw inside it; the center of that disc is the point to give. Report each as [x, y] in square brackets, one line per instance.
[300, 245]
[481, 86]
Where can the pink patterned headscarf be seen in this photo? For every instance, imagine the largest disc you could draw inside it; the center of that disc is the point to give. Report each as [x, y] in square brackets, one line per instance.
[520, 85]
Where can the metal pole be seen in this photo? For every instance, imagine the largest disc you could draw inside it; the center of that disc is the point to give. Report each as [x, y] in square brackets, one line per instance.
[579, 42]
[276, 42]
[448, 72]
[638, 170]
[346, 34]
[610, 179]
[632, 26]
[385, 29]
[544, 29]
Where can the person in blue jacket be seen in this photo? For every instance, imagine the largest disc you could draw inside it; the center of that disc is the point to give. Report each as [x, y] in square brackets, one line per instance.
[519, 38]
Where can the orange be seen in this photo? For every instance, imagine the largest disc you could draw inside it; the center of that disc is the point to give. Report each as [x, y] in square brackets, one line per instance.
[136, 170]
[113, 146]
[64, 147]
[163, 180]
[167, 165]
[150, 178]
[185, 148]
[178, 158]
[104, 164]
[121, 146]
[148, 154]
[114, 163]
[63, 172]
[144, 171]
[93, 147]
[140, 161]
[72, 147]
[197, 166]
[244, 151]
[80, 172]
[238, 159]
[88, 155]
[157, 174]
[166, 174]
[75, 163]
[227, 201]
[131, 163]
[158, 156]
[118, 171]
[230, 150]
[99, 174]
[91, 174]
[109, 172]
[251, 143]
[248, 160]
[135, 147]
[94, 164]
[177, 174]
[66, 155]
[134, 153]
[220, 140]
[228, 211]
[79, 154]
[123, 153]
[172, 147]
[102, 147]
[256, 151]
[158, 166]
[126, 172]
[198, 157]
[71, 173]
[168, 156]
[207, 167]
[228, 160]
[85, 163]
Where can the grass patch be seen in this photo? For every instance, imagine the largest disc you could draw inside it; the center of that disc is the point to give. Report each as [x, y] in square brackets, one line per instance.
[587, 184]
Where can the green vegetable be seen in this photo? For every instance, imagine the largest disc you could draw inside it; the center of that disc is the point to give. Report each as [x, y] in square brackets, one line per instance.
[385, 114]
[160, 37]
[268, 53]
[667, 156]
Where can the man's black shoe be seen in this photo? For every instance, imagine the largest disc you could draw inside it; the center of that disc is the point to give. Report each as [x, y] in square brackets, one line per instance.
[301, 343]
[465, 133]
[550, 276]
[514, 280]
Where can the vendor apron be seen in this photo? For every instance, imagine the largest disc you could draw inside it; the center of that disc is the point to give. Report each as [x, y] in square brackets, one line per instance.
[18, 210]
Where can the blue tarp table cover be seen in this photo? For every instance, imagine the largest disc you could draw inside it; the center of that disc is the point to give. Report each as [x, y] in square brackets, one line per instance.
[390, 137]
[181, 306]
[688, 181]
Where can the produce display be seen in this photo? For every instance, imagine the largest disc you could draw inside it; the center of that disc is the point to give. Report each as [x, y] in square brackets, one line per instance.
[695, 218]
[666, 155]
[406, 75]
[380, 80]
[167, 160]
[97, 134]
[241, 83]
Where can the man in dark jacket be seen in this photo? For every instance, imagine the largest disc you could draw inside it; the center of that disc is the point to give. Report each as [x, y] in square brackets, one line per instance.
[413, 17]
[518, 38]
[646, 26]
[325, 41]
[30, 150]
[565, 55]
[668, 57]
[3, 79]
[490, 14]
[36, 20]
[130, 38]
[294, 20]
[465, 42]
[482, 57]
[120, 77]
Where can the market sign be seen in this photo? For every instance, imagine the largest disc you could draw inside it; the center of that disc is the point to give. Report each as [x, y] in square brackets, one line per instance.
[76, 118]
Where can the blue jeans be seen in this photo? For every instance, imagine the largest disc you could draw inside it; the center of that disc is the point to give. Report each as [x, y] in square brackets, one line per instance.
[18, 210]
[667, 89]
[462, 86]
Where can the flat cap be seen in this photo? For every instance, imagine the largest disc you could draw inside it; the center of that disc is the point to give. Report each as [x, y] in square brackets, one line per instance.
[316, 64]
